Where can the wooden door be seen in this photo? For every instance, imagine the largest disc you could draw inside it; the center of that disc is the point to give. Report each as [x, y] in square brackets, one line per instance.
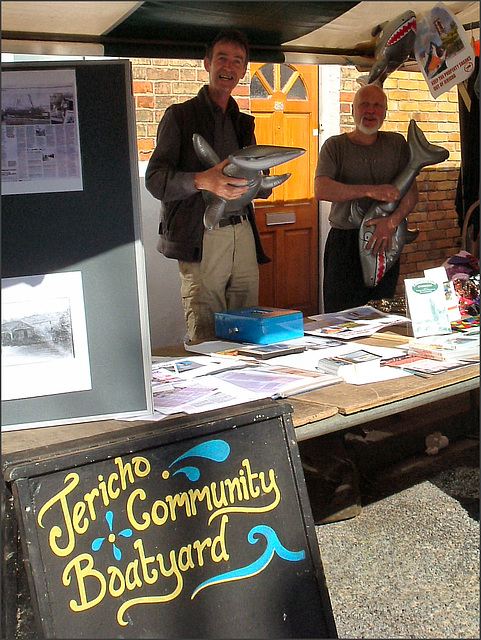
[284, 101]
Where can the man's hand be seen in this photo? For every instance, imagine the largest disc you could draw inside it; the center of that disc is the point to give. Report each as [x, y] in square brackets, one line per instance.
[216, 182]
[383, 192]
[332, 191]
[381, 239]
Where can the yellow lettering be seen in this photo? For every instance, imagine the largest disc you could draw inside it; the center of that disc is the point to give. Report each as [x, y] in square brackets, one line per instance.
[89, 499]
[219, 542]
[56, 532]
[82, 574]
[254, 491]
[124, 471]
[150, 578]
[174, 570]
[130, 510]
[156, 519]
[116, 574]
[199, 547]
[113, 493]
[185, 558]
[103, 491]
[179, 500]
[232, 485]
[199, 495]
[243, 482]
[77, 514]
[220, 501]
[272, 486]
[132, 579]
[141, 466]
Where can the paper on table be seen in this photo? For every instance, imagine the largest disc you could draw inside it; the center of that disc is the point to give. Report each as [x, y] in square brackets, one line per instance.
[379, 375]
[308, 359]
[213, 346]
[200, 395]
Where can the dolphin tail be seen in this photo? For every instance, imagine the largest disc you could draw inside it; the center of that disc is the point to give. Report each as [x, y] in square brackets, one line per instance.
[423, 153]
[269, 182]
[214, 213]
[204, 151]
[357, 214]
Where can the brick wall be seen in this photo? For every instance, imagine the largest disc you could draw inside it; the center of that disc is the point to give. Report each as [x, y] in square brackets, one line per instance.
[158, 83]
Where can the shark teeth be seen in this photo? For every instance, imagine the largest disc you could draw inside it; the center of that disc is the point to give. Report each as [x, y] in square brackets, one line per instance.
[404, 29]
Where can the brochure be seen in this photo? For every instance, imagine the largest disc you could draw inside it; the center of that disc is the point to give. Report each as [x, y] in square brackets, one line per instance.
[277, 381]
[456, 346]
[355, 362]
[420, 366]
[358, 322]
[427, 307]
[267, 351]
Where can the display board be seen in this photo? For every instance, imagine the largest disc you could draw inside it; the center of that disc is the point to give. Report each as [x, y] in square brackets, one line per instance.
[75, 335]
[193, 527]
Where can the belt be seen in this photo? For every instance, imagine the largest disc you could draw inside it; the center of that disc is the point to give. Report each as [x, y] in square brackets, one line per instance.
[224, 222]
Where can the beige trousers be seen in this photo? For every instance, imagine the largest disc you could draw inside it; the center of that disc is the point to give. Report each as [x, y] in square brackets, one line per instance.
[226, 278]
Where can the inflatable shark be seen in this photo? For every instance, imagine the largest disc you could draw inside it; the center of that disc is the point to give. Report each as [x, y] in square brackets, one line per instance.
[394, 44]
[421, 154]
[248, 163]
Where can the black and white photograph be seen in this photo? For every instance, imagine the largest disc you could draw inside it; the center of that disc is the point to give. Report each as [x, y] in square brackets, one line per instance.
[44, 336]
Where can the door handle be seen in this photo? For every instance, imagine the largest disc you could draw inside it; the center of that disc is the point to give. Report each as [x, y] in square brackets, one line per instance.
[289, 217]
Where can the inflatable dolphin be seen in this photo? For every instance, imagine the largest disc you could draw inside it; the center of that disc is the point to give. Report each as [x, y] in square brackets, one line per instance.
[248, 163]
[394, 44]
[421, 154]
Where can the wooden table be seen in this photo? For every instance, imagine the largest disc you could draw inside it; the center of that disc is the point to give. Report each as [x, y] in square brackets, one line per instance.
[315, 413]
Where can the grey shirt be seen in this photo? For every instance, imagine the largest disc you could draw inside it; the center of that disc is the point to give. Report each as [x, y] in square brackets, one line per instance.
[345, 161]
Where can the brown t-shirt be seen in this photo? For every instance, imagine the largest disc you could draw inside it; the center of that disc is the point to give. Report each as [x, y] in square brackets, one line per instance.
[345, 161]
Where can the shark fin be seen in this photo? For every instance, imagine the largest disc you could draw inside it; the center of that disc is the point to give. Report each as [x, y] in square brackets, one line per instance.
[269, 182]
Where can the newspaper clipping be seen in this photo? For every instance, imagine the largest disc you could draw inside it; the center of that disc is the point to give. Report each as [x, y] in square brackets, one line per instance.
[40, 137]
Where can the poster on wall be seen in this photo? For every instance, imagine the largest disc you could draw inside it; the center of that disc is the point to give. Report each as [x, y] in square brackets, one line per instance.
[442, 50]
[44, 336]
[40, 137]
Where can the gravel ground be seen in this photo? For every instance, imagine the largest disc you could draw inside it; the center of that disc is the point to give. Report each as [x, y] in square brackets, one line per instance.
[408, 565]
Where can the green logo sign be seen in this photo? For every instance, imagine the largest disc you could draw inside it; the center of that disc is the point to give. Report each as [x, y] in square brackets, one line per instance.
[425, 287]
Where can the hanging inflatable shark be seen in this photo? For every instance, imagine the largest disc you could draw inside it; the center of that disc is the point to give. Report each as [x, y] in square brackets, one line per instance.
[248, 163]
[421, 154]
[394, 44]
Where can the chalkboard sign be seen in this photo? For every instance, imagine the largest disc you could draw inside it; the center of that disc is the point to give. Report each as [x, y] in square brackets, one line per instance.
[192, 528]
[88, 231]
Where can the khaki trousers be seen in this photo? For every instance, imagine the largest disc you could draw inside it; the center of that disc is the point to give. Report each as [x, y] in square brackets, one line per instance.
[226, 278]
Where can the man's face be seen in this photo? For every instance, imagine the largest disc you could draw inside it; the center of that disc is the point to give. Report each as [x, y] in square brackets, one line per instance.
[227, 67]
[369, 109]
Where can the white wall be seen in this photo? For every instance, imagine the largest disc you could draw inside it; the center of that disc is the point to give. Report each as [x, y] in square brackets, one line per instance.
[166, 315]
[329, 125]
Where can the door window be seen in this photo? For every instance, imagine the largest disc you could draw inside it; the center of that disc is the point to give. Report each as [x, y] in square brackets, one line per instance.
[269, 79]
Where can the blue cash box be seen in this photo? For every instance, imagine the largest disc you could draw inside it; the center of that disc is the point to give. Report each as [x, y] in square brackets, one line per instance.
[260, 325]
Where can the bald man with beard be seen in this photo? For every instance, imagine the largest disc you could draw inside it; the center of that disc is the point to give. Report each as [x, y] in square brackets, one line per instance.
[360, 165]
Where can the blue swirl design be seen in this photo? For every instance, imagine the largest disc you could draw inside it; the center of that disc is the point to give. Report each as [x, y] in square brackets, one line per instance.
[215, 450]
[125, 533]
[274, 546]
